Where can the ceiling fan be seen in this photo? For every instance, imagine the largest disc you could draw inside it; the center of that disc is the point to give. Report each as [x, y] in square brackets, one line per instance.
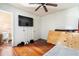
[44, 5]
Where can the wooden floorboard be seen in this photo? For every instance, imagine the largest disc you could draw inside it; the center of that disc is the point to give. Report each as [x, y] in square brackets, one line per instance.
[6, 50]
[38, 48]
[35, 49]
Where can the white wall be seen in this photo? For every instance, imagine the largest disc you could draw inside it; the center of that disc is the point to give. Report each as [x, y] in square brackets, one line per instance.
[72, 15]
[51, 22]
[64, 19]
[18, 34]
[37, 27]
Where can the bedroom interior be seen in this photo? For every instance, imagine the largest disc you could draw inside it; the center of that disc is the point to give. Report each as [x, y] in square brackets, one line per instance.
[5, 27]
[40, 29]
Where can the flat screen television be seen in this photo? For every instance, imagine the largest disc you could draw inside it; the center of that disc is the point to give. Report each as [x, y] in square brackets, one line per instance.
[25, 21]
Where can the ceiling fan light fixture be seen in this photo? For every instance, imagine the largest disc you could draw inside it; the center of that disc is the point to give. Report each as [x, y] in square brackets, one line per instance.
[44, 5]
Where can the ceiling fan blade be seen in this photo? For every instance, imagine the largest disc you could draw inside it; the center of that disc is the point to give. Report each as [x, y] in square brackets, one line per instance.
[38, 7]
[45, 8]
[51, 4]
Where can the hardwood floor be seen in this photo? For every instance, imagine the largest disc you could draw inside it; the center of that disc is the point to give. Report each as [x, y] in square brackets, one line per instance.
[38, 48]
[6, 50]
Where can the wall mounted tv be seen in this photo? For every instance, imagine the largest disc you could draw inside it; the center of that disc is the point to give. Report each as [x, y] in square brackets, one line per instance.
[25, 21]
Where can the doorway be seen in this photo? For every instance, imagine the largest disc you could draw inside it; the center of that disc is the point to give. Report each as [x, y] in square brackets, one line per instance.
[6, 28]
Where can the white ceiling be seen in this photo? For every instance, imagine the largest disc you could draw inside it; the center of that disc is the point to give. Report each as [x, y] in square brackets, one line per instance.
[41, 12]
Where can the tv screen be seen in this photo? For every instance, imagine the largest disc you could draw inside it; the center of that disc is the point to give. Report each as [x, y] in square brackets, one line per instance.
[25, 21]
